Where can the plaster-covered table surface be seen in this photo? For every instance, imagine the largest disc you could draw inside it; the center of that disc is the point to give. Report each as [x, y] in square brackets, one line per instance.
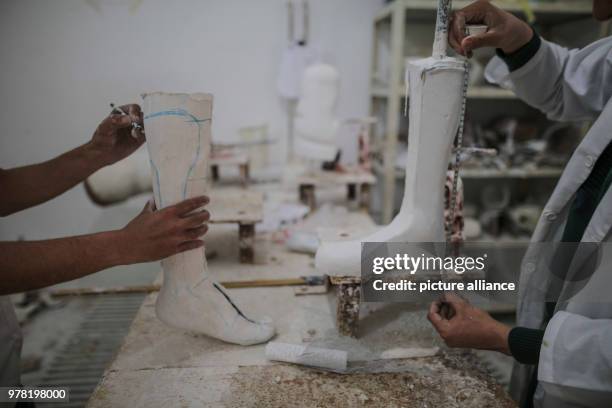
[158, 366]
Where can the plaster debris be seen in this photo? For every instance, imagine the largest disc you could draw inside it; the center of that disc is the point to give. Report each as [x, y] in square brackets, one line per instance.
[451, 380]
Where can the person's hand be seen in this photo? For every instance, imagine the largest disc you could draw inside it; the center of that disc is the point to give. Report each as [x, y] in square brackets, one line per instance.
[115, 138]
[158, 234]
[462, 325]
[504, 30]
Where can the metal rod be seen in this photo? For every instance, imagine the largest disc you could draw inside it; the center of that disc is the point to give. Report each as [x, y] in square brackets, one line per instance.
[441, 35]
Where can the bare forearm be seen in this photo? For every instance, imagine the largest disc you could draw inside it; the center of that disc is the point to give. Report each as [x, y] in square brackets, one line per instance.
[27, 186]
[151, 236]
[34, 264]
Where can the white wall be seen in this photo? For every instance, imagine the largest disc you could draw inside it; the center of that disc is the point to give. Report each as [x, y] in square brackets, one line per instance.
[63, 61]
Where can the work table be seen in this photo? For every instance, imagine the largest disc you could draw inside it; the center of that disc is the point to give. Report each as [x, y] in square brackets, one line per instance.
[158, 366]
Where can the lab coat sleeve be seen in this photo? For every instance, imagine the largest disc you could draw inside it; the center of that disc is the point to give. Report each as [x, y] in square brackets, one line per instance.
[576, 354]
[567, 85]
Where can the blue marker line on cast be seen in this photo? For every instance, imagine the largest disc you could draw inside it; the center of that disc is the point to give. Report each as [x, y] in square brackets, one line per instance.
[176, 112]
[192, 119]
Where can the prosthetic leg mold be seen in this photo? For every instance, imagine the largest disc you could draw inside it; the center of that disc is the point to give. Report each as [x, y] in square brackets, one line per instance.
[435, 87]
[178, 140]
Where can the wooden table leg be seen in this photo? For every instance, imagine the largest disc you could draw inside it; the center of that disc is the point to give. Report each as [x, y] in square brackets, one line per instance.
[214, 171]
[246, 243]
[347, 312]
[307, 195]
[365, 197]
[351, 192]
[244, 174]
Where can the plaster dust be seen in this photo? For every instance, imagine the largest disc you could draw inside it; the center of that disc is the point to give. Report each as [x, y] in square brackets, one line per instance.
[426, 382]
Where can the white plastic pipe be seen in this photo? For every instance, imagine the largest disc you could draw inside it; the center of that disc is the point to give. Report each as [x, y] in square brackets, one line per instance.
[307, 355]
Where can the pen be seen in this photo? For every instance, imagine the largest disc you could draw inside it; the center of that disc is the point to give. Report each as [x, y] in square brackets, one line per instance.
[117, 109]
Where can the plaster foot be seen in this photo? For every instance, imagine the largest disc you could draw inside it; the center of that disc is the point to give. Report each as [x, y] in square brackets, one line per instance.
[435, 100]
[178, 140]
[206, 308]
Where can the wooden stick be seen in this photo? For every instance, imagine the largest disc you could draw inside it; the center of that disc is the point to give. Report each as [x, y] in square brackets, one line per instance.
[154, 288]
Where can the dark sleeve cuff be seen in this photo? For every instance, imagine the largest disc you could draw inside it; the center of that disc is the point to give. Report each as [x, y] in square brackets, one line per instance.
[525, 344]
[521, 56]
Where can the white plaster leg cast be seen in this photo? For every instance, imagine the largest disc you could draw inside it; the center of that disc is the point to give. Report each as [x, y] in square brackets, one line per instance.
[316, 125]
[178, 139]
[435, 89]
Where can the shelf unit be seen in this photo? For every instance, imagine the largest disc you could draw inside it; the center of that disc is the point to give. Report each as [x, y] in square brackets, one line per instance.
[490, 173]
[548, 10]
[476, 92]
[398, 15]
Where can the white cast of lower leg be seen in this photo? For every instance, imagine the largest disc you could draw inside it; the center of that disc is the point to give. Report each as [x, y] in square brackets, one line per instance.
[178, 140]
[435, 90]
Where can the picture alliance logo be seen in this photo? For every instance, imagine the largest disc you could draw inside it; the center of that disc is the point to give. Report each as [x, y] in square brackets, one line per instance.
[405, 263]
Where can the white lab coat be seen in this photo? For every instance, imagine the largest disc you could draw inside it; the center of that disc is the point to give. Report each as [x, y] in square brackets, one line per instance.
[575, 366]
